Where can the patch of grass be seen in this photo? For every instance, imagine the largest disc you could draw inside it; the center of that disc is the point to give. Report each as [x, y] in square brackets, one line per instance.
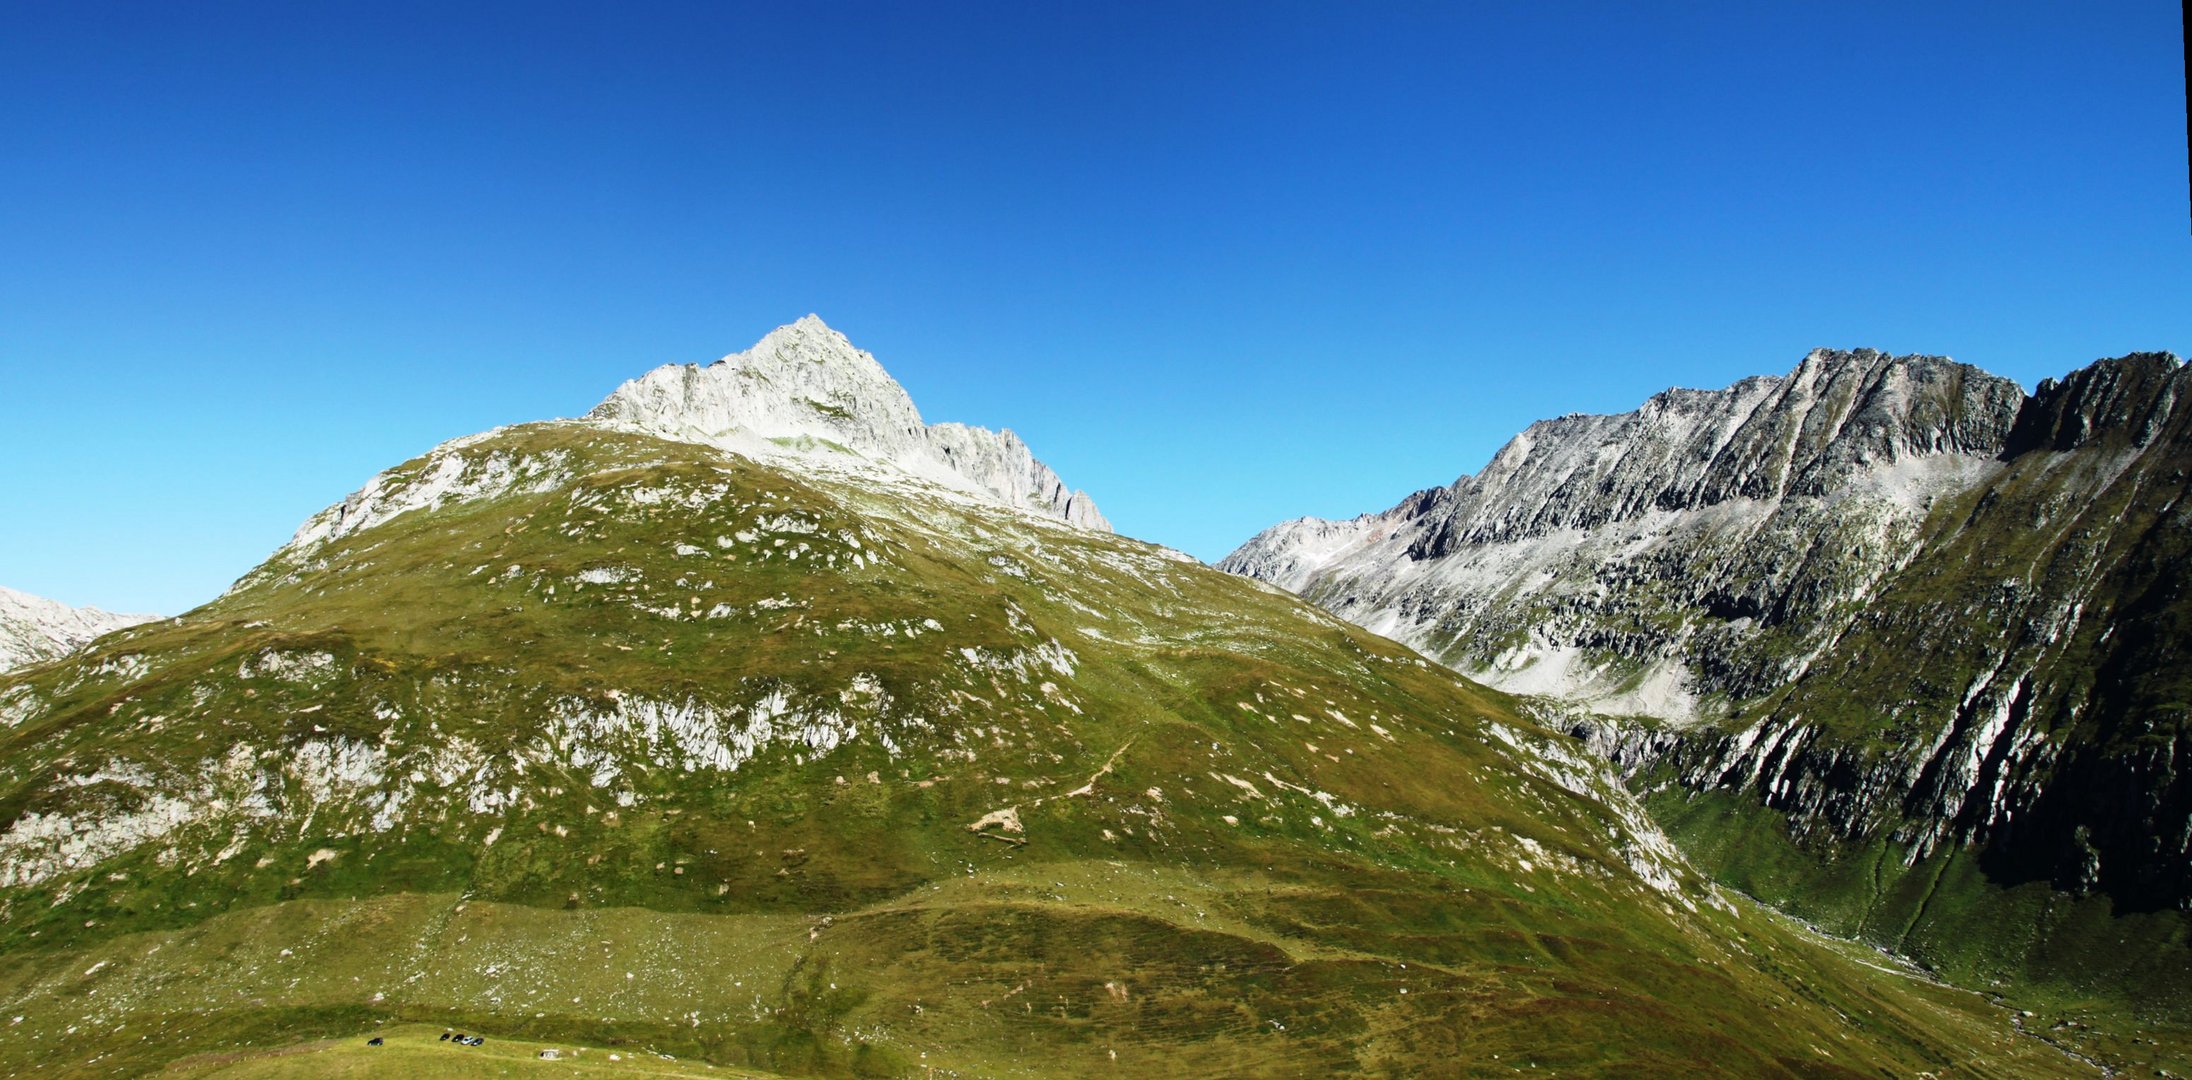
[423, 1051]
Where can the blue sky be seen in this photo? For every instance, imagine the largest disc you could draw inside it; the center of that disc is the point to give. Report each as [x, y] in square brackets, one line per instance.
[1221, 264]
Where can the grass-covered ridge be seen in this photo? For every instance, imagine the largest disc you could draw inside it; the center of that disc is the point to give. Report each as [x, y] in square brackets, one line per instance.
[581, 735]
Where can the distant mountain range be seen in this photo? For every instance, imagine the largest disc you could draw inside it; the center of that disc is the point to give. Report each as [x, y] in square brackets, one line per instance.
[34, 629]
[1886, 641]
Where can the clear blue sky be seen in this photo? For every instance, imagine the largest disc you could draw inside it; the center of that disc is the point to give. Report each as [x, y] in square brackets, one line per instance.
[1221, 264]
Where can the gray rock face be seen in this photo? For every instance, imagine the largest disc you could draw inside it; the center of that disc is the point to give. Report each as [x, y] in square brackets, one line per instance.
[805, 390]
[2132, 398]
[1884, 597]
[34, 629]
[1763, 439]
[998, 462]
[1640, 562]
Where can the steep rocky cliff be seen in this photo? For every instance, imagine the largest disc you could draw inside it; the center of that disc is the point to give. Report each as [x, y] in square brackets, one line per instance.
[1655, 562]
[1890, 641]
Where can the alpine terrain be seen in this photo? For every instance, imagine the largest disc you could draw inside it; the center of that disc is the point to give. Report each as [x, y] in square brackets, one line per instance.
[1886, 641]
[34, 629]
[752, 724]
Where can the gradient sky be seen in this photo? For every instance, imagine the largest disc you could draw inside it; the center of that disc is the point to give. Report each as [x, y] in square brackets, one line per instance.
[1220, 264]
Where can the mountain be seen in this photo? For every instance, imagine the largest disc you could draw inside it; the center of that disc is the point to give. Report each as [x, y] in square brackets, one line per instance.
[34, 629]
[805, 389]
[1886, 641]
[1565, 566]
[798, 760]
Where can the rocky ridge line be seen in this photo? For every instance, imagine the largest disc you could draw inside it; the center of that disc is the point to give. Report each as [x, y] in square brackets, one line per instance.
[805, 389]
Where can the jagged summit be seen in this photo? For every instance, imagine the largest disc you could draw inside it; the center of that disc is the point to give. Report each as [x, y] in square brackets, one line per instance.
[1838, 415]
[804, 389]
[802, 395]
[806, 330]
[1706, 466]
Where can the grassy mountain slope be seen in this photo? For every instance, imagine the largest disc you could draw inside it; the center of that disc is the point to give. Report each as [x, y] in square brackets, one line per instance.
[579, 735]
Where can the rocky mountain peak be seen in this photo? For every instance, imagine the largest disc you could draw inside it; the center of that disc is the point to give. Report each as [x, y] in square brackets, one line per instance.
[833, 364]
[801, 383]
[805, 390]
[2131, 397]
[34, 629]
